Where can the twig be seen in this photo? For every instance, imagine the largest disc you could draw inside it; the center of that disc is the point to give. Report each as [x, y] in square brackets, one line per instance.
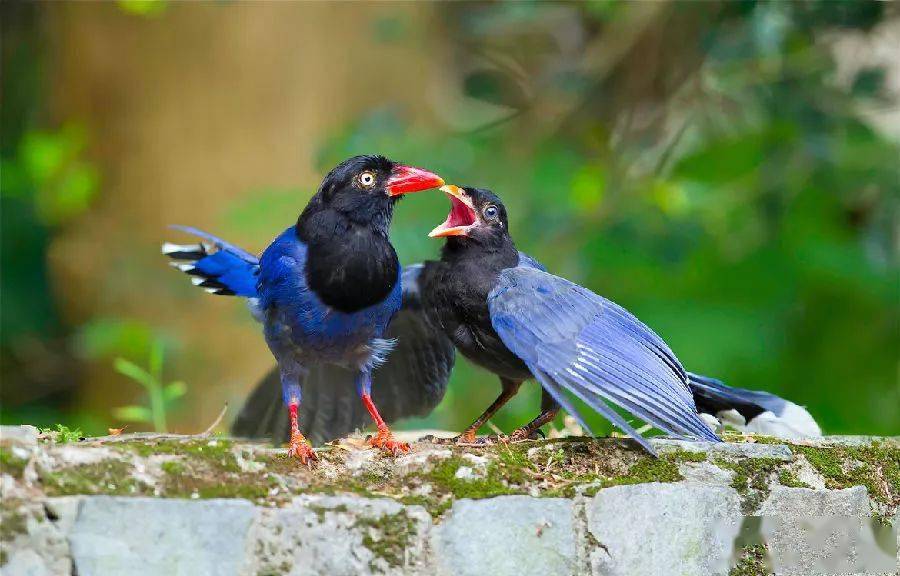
[494, 428]
[215, 423]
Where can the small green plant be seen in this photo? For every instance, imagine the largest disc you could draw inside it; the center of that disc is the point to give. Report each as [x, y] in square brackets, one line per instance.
[63, 434]
[161, 396]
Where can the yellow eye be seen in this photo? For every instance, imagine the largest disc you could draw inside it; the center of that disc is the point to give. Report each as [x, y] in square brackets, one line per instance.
[367, 179]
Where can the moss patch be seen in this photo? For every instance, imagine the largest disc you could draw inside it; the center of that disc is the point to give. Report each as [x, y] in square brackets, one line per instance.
[215, 452]
[12, 522]
[875, 466]
[752, 562]
[751, 479]
[106, 477]
[787, 478]
[11, 464]
[388, 536]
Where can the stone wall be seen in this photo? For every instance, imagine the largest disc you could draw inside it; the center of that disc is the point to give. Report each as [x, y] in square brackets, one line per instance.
[154, 505]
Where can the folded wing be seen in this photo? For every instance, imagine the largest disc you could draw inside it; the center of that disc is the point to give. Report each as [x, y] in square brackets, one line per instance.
[578, 342]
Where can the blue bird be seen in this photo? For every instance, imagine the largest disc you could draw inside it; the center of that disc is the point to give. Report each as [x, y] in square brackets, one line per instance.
[326, 288]
[503, 311]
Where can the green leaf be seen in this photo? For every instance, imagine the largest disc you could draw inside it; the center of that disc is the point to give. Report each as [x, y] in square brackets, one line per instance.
[174, 390]
[135, 372]
[133, 413]
[157, 354]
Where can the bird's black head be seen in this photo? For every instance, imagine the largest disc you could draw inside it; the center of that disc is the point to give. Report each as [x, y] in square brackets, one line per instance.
[477, 216]
[365, 188]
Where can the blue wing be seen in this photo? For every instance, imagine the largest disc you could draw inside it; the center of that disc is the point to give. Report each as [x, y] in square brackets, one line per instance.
[574, 340]
[227, 270]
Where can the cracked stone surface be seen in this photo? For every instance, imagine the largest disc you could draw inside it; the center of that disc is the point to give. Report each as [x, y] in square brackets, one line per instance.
[160, 505]
[645, 529]
[507, 536]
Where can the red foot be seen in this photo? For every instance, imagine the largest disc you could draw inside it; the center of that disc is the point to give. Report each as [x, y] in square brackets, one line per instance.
[385, 441]
[299, 448]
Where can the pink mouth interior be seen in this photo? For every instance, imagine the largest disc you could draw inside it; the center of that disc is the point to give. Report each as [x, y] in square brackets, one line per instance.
[460, 214]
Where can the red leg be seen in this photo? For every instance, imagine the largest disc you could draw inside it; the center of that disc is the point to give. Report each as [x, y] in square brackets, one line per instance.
[383, 438]
[299, 446]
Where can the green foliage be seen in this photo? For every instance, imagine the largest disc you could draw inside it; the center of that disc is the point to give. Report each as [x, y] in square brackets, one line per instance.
[62, 434]
[706, 165]
[756, 240]
[144, 8]
[109, 337]
[161, 396]
[49, 171]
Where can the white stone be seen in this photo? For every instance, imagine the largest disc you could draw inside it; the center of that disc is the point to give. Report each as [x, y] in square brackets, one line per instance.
[156, 537]
[22, 435]
[705, 473]
[41, 550]
[653, 529]
[326, 535]
[506, 536]
[464, 473]
[823, 531]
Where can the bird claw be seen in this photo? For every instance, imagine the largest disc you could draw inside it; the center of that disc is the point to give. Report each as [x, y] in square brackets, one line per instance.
[384, 440]
[523, 434]
[468, 438]
[299, 448]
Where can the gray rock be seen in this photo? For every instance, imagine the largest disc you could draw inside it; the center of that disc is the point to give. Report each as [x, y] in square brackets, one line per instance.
[21, 435]
[852, 440]
[787, 502]
[507, 535]
[705, 473]
[338, 536]
[745, 450]
[65, 511]
[825, 531]
[649, 529]
[39, 549]
[156, 537]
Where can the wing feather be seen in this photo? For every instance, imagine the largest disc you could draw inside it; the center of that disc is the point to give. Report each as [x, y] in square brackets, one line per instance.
[577, 341]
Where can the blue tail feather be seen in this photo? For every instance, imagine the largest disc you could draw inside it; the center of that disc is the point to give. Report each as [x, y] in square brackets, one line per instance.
[220, 268]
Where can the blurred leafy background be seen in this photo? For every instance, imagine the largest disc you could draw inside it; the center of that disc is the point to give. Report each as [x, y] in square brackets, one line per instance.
[729, 171]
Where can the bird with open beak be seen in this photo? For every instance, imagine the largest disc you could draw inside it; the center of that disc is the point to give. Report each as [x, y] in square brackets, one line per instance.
[326, 288]
[506, 313]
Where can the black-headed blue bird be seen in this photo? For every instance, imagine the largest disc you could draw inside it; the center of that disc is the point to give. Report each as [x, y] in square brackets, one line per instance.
[506, 313]
[326, 288]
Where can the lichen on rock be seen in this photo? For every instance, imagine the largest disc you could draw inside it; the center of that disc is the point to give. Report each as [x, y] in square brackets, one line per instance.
[368, 513]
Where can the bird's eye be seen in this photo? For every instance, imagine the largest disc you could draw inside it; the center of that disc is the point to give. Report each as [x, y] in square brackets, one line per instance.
[367, 179]
[490, 212]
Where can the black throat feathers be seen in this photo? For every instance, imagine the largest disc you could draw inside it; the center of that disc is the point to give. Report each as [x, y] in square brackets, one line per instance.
[350, 265]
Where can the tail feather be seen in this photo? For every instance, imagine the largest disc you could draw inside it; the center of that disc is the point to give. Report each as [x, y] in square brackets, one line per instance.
[219, 267]
[751, 410]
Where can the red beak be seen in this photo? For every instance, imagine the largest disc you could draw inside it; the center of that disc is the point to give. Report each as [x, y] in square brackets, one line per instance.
[406, 179]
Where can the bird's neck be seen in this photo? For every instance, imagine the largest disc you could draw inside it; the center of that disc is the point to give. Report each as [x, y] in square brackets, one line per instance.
[350, 265]
[490, 257]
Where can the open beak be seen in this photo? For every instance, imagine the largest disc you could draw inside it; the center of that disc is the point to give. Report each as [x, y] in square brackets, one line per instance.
[406, 179]
[462, 214]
